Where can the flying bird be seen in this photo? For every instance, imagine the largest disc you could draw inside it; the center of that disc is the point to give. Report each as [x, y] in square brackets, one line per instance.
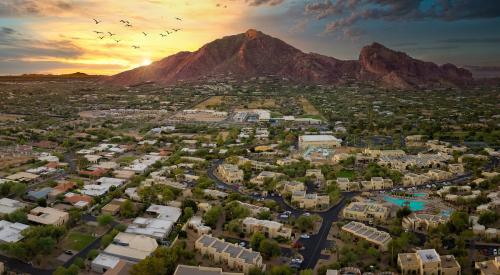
[96, 21]
[101, 37]
[98, 32]
[128, 25]
[176, 30]
[111, 34]
[177, 18]
[117, 41]
[168, 32]
[145, 34]
[123, 21]
[163, 35]
[135, 47]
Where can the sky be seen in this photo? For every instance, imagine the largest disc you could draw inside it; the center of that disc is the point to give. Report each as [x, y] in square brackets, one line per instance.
[57, 36]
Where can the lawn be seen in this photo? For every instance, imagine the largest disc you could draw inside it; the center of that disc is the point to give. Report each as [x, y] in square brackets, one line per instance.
[77, 241]
[344, 173]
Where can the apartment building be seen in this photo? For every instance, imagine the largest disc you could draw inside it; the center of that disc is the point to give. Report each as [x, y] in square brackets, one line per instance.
[377, 238]
[428, 261]
[131, 247]
[236, 257]
[271, 229]
[201, 270]
[422, 222]
[48, 216]
[309, 201]
[345, 184]
[490, 267]
[366, 211]
[377, 183]
[437, 174]
[262, 176]
[254, 209]
[230, 173]
[412, 179]
[292, 186]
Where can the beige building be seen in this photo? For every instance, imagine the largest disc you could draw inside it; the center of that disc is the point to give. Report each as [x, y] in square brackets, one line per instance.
[437, 174]
[491, 267]
[311, 200]
[422, 222]
[426, 262]
[366, 211]
[48, 216]
[262, 176]
[131, 247]
[323, 141]
[379, 153]
[236, 257]
[456, 168]
[254, 209]
[271, 229]
[377, 183]
[230, 173]
[292, 186]
[412, 179]
[345, 184]
[377, 238]
[201, 270]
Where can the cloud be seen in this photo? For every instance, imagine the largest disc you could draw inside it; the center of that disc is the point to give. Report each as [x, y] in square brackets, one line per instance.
[346, 13]
[15, 8]
[264, 2]
[299, 26]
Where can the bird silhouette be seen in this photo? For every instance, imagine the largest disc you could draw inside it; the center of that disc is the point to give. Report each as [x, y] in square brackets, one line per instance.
[176, 30]
[163, 35]
[168, 32]
[96, 21]
[135, 47]
[111, 34]
[98, 32]
[123, 21]
[101, 37]
[117, 41]
[177, 18]
[145, 34]
[128, 25]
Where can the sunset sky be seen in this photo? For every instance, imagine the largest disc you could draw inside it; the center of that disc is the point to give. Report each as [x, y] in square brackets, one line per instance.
[56, 36]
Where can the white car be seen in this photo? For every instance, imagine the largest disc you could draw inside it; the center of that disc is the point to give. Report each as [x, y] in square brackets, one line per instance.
[305, 236]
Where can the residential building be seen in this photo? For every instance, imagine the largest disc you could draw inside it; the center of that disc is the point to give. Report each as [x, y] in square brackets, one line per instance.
[325, 141]
[254, 209]
[271, 229]
[48, 216]
[261, 178]
[366, 211]
[436, 174]
[113, 207]
[11, 232]
[23, 177]
[8, 206]
[345, 184]
[103, 262]
[292, 186]
[201, 270]
[131, 247]
[230, 173]
[428, 261]
[215, 193]
[412, 179]
[377, 183]
[490, 267]
[101, 186]
[379, 239]
[422, 222]
[77, 200]
[60, 189]
[236, 257]
[36, 195]
[151, 227]
[311, 200]
[168, 213]
[384, 153]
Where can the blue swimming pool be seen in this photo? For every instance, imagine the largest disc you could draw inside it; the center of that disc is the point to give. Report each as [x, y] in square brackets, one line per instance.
[414, 205]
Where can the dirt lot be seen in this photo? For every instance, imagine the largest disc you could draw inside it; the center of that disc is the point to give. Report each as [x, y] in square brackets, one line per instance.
[211, 102]
[308, 108]
[262, 103]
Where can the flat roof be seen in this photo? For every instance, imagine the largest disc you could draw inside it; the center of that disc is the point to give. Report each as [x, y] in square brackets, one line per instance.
[319, 138]
[106, 260]
[428, 255]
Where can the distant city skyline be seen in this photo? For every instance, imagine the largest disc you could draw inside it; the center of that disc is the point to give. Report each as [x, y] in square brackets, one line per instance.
[57, 36]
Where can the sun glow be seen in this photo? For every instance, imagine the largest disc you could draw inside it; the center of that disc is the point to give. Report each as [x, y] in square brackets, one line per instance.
[146, 62]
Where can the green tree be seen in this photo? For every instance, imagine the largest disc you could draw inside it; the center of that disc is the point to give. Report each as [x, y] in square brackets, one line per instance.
[212, 215]
[256, 239]
[127, 209]
[269, 248]
[105, 219]
[304, 223]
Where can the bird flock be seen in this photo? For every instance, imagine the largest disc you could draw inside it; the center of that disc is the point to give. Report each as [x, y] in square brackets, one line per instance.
[107, 34]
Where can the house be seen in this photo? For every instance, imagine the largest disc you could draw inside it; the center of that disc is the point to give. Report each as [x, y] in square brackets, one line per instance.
[324, 141]
[201, 270]
[292, 186]
[236, 257]
[101, 186]
[345, 184]
[261, 178]
[412, 179]
[230, 173]
[163, 212]
[131, 247]
[490, 267]
[428, 261]
[437, 174]
[379, 239]
[271, 229]
[254, 209]
[11, 232]
[122, 268]
[366, 211]
[48, 216]
[60, 189]
[8, 206]
[39, 194]
[113, 207]
[150, 227]
[103, 263]
[376, 183]
[77, 200]
[422, 221]
[23, 177]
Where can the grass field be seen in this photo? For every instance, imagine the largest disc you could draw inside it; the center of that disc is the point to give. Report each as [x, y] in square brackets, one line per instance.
[308, 108]
[77, 241]
[345, 174]
[262, 103]
[211, 102]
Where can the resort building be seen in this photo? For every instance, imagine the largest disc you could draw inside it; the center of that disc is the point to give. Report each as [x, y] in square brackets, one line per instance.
[48, 216]
[11, 232]
[412, 179]
[230, 173]
[491, 267]
[377, 183]
[345, 184]
[384, 153]
[309, 201]
[292, 186]
[261, 178]
[379, 239]
[271, 229]
[422, 222]
[428, 261]
[254, 209]
[324, 141]
[366, 211]
[436, 174]
[201, 270]
[131, 247]
[236, 257]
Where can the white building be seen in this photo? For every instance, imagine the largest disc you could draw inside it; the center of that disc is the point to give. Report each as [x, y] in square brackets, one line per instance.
[324, 141]
[11, 232]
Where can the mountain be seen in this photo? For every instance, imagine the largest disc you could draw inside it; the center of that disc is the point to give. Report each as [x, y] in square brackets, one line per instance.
[254, 53]
[50, 77]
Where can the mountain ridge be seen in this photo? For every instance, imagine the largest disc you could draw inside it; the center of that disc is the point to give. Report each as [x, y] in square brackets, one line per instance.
[253, 54]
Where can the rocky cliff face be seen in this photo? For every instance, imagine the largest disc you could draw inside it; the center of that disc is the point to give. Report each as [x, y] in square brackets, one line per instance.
[254, 53]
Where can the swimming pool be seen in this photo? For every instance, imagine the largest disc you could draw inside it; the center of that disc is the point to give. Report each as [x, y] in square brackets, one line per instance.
[413, 205]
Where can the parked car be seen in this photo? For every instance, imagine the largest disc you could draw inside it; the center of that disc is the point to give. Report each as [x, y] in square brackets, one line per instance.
[305, 236]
